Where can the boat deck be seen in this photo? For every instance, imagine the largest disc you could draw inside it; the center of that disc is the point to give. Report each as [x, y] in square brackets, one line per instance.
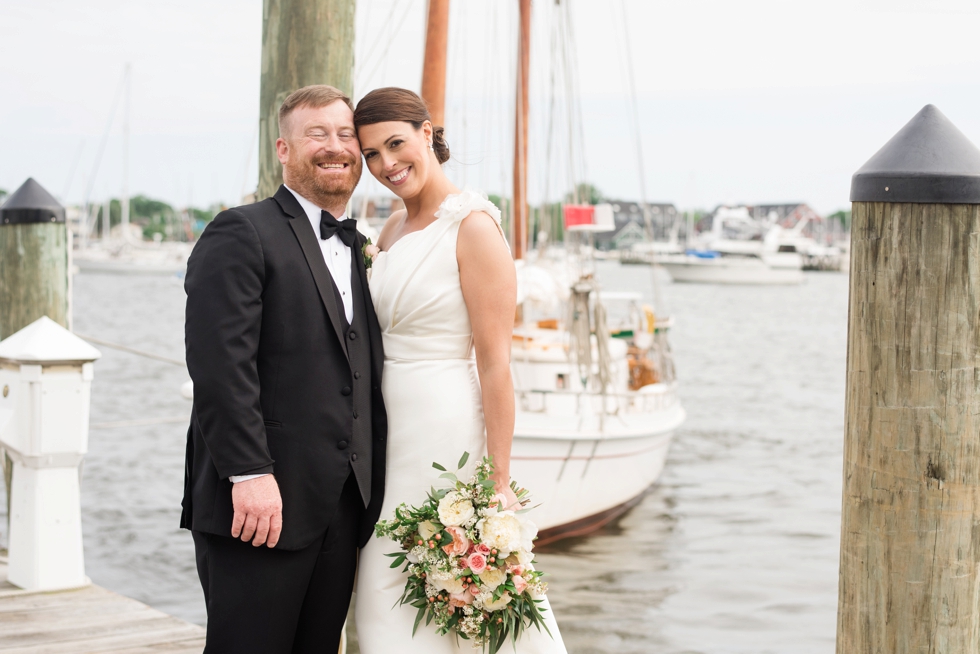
[90, 619]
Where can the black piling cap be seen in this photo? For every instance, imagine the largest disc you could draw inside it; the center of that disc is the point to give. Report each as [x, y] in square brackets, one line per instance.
[927, 161]
[31, 204]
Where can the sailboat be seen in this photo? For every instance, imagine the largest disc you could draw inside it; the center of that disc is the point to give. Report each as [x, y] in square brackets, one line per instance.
[125, 253]
[596, 397]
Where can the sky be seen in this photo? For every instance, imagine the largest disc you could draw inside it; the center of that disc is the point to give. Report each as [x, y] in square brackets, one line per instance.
[755, 101]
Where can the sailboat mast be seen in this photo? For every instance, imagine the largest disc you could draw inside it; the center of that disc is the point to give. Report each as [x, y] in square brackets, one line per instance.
[124, 201]
[434, 69]
[519, 211]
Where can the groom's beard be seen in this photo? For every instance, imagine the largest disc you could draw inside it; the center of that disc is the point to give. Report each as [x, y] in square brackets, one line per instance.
[327, 189]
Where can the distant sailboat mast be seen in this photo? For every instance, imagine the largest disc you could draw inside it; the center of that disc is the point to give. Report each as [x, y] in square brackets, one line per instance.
[124, 201]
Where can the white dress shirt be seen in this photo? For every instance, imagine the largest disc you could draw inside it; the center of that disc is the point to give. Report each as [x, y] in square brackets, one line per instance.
[337, 257]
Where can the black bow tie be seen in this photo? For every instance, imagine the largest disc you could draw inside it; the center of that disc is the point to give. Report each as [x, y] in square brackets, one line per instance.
[346, 230]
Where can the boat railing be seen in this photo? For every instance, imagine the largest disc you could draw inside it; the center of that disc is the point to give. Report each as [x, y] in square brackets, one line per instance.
[656, 397]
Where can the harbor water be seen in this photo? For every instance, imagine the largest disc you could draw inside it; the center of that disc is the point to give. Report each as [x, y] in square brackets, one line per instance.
[735, 550]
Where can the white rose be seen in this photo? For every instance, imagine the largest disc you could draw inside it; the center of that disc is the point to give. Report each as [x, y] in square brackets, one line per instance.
[529, 531]
[498, 604]
[493, 577]
[454, 510]
[445, 581]
[501, 531]
[427, 529]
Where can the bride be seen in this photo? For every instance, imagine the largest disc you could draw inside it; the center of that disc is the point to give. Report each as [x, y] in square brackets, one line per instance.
[444, 288]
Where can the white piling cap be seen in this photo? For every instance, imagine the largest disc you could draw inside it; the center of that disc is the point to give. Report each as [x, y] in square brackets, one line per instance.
[46, 342]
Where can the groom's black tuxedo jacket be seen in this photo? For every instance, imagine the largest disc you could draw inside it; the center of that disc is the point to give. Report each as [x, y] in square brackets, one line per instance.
[265, 348]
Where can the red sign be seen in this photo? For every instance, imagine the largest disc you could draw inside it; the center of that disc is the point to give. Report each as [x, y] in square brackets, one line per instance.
[579, 214]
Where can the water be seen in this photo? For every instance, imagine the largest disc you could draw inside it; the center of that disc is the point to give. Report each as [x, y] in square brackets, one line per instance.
[736, 550]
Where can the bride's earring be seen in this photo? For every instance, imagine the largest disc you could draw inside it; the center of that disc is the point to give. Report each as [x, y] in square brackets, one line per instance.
[431, 149]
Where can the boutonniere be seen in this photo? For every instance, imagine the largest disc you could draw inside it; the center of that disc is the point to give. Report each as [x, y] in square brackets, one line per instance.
[369, 251]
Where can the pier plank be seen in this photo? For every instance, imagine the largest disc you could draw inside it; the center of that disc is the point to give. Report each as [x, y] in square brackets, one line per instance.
[90, 619]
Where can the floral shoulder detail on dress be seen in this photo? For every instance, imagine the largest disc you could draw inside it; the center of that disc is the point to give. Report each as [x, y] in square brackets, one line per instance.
[460, 205]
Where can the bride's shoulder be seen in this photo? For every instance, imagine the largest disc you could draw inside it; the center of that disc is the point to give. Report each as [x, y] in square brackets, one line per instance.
[458, 206]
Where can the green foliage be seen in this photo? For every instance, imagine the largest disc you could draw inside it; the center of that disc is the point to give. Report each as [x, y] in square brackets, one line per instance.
[204, 215]
[158, 217]
[551, 219]
[586, 194]
[497, 201]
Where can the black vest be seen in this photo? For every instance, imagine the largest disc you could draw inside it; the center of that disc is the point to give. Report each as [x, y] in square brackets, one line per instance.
[359, 353]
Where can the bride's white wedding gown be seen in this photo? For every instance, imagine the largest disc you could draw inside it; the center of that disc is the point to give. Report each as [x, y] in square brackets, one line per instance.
[435, 413]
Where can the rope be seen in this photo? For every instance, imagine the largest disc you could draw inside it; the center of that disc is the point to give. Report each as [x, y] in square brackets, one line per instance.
[141, 422]
[397, 28]
[131, 350]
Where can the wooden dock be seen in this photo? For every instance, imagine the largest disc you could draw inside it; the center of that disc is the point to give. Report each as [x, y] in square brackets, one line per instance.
[90, 619]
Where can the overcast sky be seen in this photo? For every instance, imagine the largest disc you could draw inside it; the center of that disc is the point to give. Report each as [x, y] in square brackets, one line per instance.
[752, 101]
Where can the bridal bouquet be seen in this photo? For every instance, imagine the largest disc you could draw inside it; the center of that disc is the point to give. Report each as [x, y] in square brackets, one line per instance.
[468, 559]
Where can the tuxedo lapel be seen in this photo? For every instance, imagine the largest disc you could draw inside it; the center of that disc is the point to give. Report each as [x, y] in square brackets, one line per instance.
[300, 225]
[373, 327]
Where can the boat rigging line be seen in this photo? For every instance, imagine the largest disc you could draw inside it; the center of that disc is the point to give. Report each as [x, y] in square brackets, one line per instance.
[132, 350]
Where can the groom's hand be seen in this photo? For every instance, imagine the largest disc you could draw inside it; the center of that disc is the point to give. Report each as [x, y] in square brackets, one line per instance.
[258, 511]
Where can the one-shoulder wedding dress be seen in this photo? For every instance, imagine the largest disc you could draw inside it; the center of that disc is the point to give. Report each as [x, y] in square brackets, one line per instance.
[435, 413]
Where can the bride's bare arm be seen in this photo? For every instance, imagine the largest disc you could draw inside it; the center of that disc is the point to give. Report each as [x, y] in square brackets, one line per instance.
[489, 283]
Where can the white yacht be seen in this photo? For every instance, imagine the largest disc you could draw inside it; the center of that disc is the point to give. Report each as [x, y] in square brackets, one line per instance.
[720, 259]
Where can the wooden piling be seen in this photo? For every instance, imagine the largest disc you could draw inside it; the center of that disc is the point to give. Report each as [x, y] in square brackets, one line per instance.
[910, 526]
[33, 259]
[303, 42]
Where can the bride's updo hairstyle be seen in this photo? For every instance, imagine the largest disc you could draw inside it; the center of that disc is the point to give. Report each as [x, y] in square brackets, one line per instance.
[392, 104]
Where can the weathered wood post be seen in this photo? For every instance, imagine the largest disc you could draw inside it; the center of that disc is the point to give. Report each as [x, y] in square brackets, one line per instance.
[33, 259]
[33, 268]
[910, 527]
[303, 42]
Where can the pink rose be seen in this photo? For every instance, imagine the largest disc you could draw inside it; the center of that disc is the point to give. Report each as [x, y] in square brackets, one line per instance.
[372, 250]
[519, 584]
[460, 542]
[482, 549]
[474, 589]
[515, 569]
[477, 562]
[459, 600]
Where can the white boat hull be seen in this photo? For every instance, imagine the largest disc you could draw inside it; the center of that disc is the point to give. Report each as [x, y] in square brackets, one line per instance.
[729, 270]
[581, 474]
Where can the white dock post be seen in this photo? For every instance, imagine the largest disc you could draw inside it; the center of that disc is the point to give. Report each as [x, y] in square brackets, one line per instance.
[45, 385]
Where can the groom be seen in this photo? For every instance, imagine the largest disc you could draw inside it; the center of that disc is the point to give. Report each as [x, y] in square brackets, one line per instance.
[285, 465]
